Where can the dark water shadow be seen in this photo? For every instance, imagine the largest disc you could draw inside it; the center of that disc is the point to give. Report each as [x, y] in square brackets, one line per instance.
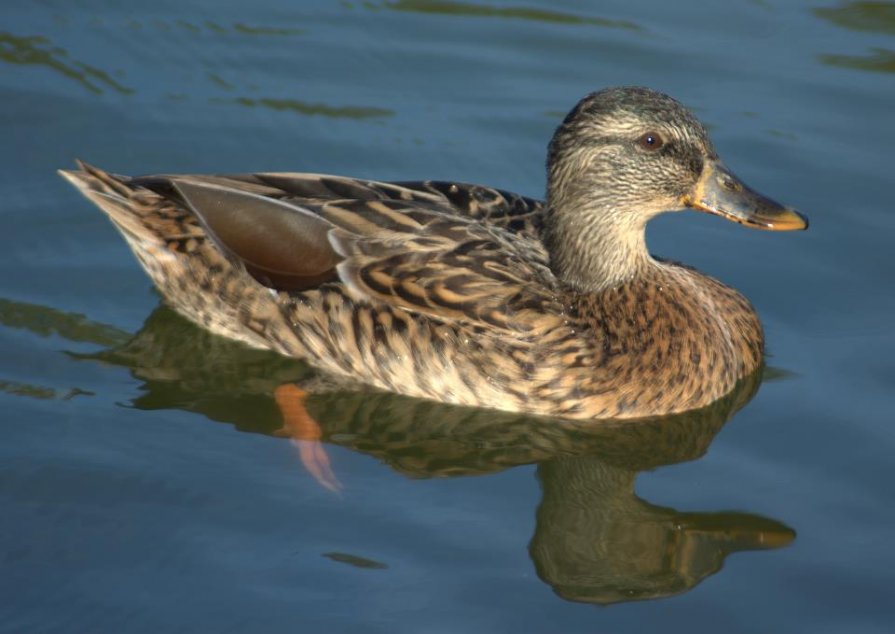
[595, 540]
[37, 50]
[866, 17]
[478, 10]
[308, 108]
[879, 60]
[869, 17]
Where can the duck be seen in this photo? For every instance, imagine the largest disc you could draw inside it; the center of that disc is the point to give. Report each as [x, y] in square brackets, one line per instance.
[467, 294]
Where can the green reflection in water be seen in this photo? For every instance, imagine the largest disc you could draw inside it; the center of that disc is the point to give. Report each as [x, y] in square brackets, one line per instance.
[46, 322]
[872, 17]
[447, 7]
[595, 540]
[265, 30]
[221, 82]
[312, 109]
[24, 389]
[189, 26]
[209, 25]
[38, 50]
[877, 17]
[214, 26]
[40, 392]
[356, 561]
[773, 373]
[880, 61]
[782, 134]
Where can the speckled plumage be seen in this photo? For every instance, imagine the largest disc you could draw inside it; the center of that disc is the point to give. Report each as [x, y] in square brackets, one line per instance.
[462, 293]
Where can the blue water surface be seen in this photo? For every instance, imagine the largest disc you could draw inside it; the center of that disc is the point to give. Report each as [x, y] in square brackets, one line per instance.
[143, 485]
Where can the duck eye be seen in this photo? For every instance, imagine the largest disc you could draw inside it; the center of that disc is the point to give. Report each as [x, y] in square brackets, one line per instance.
[650, 141]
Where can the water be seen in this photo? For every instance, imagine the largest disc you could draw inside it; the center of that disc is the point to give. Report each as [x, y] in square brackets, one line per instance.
[142, 483]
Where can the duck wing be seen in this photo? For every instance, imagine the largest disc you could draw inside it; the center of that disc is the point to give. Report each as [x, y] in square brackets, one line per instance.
[497, 207]
[409, 247]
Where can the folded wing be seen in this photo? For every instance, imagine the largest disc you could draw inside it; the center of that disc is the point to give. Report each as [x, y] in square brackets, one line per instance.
[474, 259]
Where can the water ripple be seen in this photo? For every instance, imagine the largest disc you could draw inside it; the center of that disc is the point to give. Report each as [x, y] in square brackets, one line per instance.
[311, 109]
[448, 7]
[38, 50]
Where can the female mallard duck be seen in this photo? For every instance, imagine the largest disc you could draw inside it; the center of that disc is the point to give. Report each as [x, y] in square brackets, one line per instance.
[466, 294]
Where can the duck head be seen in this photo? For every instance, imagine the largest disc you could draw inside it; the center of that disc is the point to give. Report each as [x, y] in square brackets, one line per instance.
[622, 156]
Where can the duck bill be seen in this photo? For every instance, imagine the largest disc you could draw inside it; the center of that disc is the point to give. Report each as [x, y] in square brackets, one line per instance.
[721, 193]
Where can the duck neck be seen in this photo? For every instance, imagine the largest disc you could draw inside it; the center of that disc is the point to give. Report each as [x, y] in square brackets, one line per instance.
[594, 247]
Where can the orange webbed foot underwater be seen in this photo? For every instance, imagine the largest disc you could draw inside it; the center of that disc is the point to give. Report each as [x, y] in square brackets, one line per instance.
[305, 434]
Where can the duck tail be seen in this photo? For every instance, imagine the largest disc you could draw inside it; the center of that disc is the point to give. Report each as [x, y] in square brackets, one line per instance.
[99, 186]
[126, 204]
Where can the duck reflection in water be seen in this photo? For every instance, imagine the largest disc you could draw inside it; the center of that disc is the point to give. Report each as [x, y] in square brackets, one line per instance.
[595, 540]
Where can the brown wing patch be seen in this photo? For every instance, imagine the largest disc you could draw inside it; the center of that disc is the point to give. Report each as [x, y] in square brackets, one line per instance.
[280, 245]
[451, 251]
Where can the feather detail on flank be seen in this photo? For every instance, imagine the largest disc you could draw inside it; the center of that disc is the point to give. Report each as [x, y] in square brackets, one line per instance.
[463, 293]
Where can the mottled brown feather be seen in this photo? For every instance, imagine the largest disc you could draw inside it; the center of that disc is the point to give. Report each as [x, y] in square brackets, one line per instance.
[445, 291]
